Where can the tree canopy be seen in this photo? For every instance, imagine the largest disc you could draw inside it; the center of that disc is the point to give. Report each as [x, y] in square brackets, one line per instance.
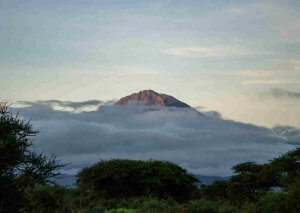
[133, 178]
[252, 181]
[20, 165]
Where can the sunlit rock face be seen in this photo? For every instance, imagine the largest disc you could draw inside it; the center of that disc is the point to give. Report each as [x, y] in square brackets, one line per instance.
[149, 97]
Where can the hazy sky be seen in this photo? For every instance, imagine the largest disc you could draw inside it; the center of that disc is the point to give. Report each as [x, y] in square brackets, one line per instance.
[241, 58]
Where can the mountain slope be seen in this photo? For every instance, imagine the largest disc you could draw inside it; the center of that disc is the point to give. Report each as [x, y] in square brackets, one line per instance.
[150, 97]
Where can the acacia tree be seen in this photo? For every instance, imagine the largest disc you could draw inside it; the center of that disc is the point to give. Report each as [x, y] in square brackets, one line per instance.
[20, 165]
[135, 178]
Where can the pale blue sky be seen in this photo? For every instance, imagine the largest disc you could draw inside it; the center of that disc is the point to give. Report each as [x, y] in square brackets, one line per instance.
[230, 56]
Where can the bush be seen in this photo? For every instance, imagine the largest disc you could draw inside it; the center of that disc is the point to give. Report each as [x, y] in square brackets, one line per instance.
[130, 178]
[249, 207]
[98, 209]
[275, 202]
[294, 190]
[227, 208]
[121, 211]
[217, 191]
[202, 206]
[46, 199]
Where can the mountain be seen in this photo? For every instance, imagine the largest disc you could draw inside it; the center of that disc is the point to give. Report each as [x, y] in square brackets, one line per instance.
[150, 97]
[209, 179]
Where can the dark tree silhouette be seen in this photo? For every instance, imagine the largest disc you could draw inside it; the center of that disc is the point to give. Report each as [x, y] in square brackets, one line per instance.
[131, 178]
[20, 165]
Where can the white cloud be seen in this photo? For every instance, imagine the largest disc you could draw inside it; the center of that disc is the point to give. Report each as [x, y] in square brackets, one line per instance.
[255, 73]
[69, 106]
[270, 81]
[217, 51]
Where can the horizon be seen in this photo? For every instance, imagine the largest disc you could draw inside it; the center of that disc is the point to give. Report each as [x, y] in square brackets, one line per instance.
[58, 105]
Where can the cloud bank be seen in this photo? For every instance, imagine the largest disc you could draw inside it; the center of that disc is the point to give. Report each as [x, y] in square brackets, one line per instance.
[205, 145]
[71, 106]
[281, 93]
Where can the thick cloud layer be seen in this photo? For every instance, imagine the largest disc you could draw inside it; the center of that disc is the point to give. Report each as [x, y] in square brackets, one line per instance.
[205, 145]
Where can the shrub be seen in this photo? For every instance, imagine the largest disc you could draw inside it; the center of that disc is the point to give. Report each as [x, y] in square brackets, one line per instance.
[276, 202]
[46, 199]
[130, 178]
[249, 207]
[202, 206]
[227, 208]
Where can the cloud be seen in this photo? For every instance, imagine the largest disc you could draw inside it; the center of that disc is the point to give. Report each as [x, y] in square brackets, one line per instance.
[206, 52]
[270, 81]
[211, 114]
[201, 144]
[288, 133]
[254, 73]
[281, 93]
[90, 105]
[296, 64]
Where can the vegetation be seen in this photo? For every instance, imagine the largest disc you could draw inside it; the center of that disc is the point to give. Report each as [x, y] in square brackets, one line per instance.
[128, 186]
[20, 165]
[147, 186]
[130, 178]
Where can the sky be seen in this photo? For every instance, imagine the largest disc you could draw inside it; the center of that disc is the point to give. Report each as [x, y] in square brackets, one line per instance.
[240, 58]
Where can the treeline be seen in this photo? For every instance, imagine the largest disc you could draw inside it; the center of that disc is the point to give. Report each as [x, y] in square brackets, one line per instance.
[137, 186]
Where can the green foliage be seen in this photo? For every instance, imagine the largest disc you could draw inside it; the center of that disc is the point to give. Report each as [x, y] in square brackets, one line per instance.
[217, 191]
[252, 181]
[202, 206]
[294, 190]
[130, 178]
[20, 165]
[227, 208]
[287, 167]
[121, 211]
[156, 205]
[142, 186]
[249, 207]
[276, 202]
[46, 199]
[247, 167]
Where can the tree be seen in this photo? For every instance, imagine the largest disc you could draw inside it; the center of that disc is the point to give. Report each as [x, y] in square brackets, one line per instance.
[287, 167]
[47, 199]
[251, 181]
[20, 165]
[217, 191]
[131, 178]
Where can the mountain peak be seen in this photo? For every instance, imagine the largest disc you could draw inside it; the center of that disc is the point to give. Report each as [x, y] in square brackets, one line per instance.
[150, 97]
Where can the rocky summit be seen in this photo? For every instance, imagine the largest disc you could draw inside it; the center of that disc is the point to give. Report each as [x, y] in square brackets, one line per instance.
[150, 97]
